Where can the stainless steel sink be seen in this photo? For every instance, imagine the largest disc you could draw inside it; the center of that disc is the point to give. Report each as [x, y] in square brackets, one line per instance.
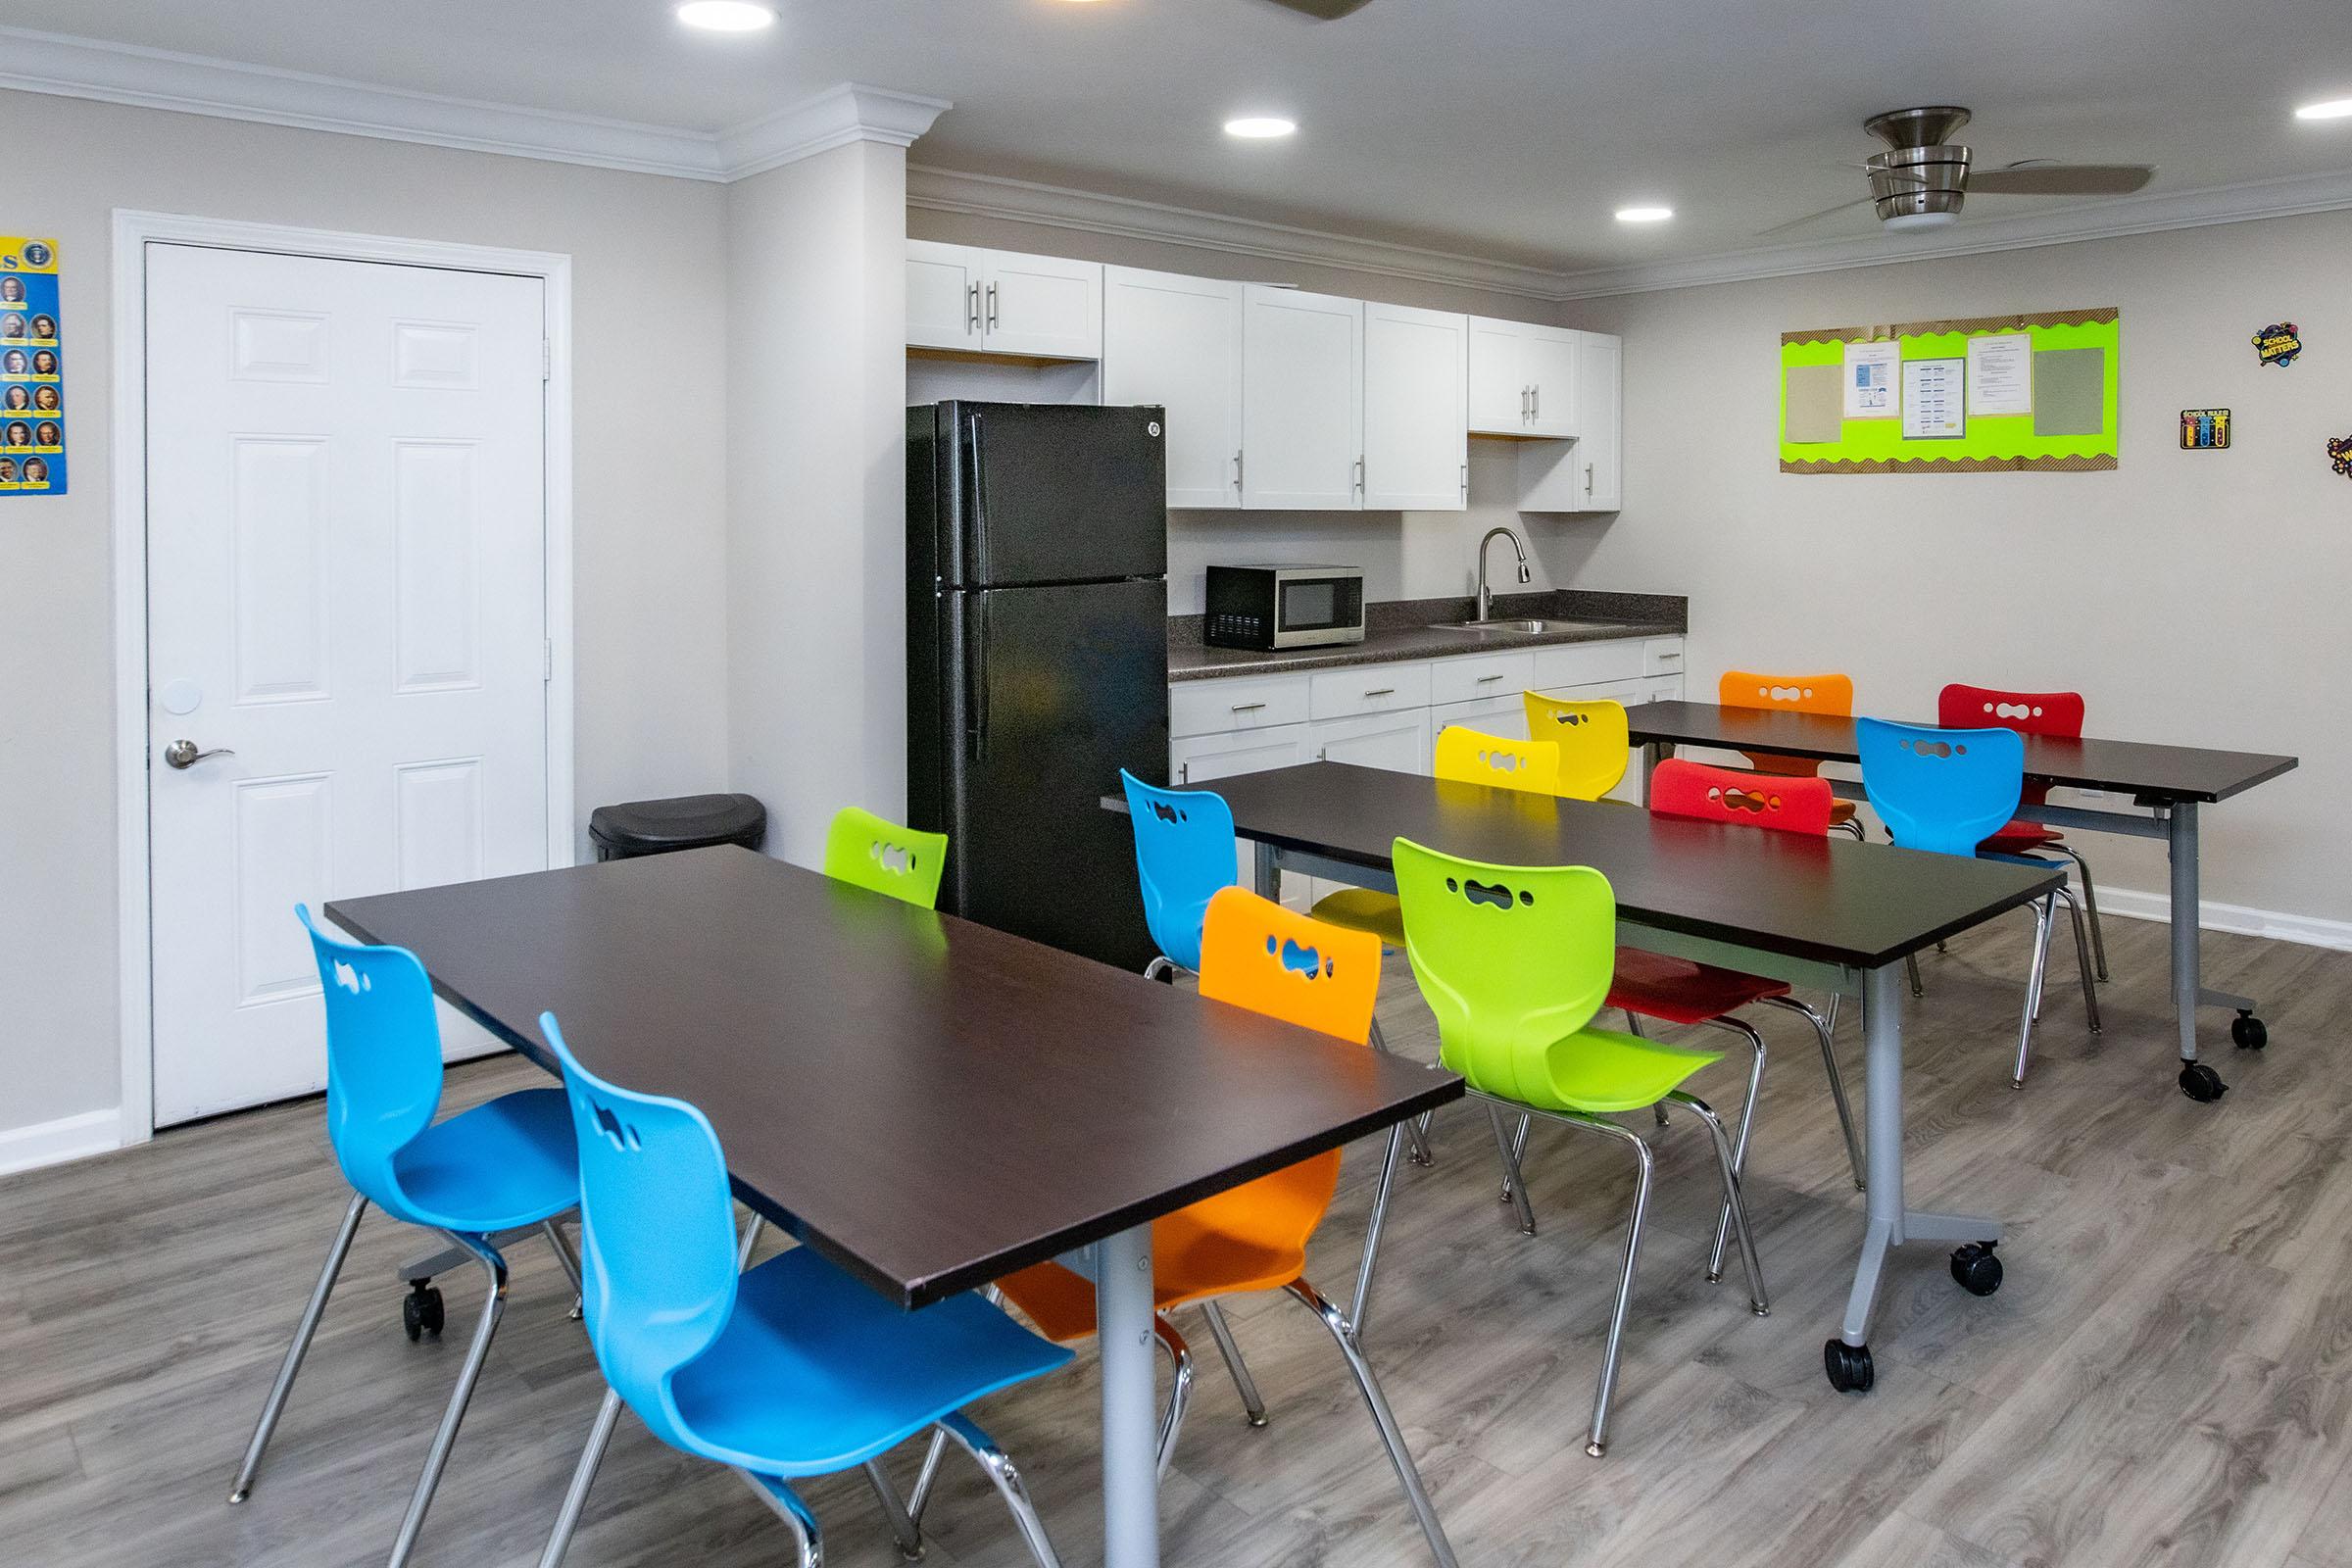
[1523, 628]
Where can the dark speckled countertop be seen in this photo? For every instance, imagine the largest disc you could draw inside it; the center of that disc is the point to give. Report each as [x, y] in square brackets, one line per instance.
[1408, 629]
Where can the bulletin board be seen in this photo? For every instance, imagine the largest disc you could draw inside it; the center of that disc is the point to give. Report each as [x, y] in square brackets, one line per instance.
[1987, 394]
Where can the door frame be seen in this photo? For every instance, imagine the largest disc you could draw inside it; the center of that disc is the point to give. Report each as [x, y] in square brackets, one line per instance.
[133, 231]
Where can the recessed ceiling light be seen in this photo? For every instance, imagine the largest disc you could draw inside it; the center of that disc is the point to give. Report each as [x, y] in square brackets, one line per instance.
[2334, 109]
[1261, 127]
[727, 15]
[1644, 215]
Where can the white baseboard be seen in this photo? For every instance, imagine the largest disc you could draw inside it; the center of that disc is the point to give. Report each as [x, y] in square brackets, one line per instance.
[51, 1142]
[2241, 919]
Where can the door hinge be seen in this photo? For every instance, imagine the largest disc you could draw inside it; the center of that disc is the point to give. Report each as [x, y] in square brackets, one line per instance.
[547, 659]
[547, 359]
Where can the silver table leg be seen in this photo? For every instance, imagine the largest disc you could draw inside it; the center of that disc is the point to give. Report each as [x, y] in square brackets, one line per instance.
[1268, 872]
[1891, 1224]
[1129, 1402]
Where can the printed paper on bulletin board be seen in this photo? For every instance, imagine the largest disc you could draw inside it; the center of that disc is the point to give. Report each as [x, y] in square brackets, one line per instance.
[33, 382]
[1990, 443]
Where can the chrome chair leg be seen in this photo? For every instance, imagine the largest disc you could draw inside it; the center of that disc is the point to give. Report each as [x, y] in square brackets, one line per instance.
[1747, 1120]
[1363, 1306]
[1162, 969]
[1911, 966]
[2043, 912]
[1854, 825]
[1243, 1382]
[305, 1331]
[2082, 960]
[1633, 1025]
[569, 1261]
[2091, 904]
[1518, 1157]
[583, 1477]
[1180, 1389]
[1513, 1187]
[436, 1460]
[786, 1504]
[1822, 1028]
[1391, 1436]
[1749, 1264]
[902, 1529]
[1646, 1164]
[1007, 1482]
[751, 1239]
[1416, 1129]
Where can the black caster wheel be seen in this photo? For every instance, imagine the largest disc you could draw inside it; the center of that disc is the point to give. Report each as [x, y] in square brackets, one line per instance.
[1848, 1366]
[2248, 1033]
[1978, 1271]
[2201, 1083]
[421, 1313]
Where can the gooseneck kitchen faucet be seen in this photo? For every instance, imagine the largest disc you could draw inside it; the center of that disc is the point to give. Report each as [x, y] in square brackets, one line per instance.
[1486, 594]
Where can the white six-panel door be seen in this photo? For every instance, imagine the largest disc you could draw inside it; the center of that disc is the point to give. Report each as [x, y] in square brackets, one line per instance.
[346, 568]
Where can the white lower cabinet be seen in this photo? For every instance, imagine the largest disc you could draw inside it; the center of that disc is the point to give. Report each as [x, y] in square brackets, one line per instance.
[1505, 716]
[1198, 759]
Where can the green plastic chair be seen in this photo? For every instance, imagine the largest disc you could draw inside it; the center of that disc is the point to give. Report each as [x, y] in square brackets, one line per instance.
[869, 851]
[1515, 961]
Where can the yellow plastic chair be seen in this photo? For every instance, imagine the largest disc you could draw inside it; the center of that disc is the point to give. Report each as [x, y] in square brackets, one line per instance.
[1594, 741]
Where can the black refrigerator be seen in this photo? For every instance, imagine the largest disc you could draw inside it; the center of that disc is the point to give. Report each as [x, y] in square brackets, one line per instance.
[1037, 660]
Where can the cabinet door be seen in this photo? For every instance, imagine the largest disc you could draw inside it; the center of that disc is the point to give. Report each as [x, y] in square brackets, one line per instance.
[1177, 342]
[1046, 306]
[1505, 716]
[943, 295]
[1302, 387]
[1203, 758]
[1553, 359]
[1498, 379]
[1416, 416]
[1397, 742]
[1600, 416]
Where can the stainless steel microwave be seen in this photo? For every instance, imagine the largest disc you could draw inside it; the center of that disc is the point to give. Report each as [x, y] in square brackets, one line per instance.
[1284, 607]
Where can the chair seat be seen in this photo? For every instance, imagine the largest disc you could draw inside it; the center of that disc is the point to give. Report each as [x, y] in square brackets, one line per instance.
[1599, 1070]
[815, 1373]
[508, 1164]
[1362, 909]
[1678, 991]
[2021, 835]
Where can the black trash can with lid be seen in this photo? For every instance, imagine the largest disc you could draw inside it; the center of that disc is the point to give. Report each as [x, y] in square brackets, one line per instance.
[685, 822]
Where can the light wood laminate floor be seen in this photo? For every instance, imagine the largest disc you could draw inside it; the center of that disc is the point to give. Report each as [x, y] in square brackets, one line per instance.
[2165, 1378]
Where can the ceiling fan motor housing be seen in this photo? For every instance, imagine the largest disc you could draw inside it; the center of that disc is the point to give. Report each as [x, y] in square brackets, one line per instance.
[1921, 177]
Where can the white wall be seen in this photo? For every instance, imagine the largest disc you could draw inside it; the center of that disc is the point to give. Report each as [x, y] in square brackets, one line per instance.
[2193, 597]
[1404, 555]
[649, 320]
[816, 490]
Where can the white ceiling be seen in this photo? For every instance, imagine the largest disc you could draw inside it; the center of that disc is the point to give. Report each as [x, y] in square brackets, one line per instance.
[1505, 128]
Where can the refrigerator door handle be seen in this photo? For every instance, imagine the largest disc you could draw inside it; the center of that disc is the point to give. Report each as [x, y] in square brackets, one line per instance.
[975, 668]
[975, 538]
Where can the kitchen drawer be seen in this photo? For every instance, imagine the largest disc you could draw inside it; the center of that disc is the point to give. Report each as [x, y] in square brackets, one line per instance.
[1489, 715]
[1585, 663]
[1472, 675]
[1662, 689]
[1662, 655]
[1244, 701]
[1615, 691]
[1355, 689]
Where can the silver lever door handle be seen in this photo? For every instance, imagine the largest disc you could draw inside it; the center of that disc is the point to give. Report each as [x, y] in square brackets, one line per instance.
[184, 754]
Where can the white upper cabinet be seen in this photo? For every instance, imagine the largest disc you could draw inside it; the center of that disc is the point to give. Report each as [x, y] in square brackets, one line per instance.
[1417, 420]
[1523, 378]
[1177, 341]
[1003, 302]
[1600, 416]
[1302, 410]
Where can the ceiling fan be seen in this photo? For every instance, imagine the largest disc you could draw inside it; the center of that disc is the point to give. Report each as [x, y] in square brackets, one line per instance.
[1323, 9]
[1921, 179]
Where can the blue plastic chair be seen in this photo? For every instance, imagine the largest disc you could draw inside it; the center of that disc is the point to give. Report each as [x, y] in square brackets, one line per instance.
[1947, 791]
[1184, 857]
[503, 1166]
[791, 1369]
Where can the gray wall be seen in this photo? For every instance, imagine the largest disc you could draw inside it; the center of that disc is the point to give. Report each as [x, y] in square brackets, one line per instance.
[649, 323]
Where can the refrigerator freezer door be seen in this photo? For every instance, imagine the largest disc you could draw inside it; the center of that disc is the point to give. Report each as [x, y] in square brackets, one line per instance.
[1059, 688]
[1041, 494]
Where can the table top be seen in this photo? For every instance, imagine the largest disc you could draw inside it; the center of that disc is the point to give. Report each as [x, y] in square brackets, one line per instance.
[930, 1103]
[2134, 767]
[1828, 899]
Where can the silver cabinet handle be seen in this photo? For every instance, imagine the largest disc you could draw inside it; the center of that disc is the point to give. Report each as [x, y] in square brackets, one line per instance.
[1359, 474]
[1385, 691]
[184, 754]
[1588, 478]
[1248, 708]
[992, 307]
[1537, 411]
[1465, 481]
[1488, 680]
[971, 309]
[1236, 471]
[1184, 772]
[1524, 415]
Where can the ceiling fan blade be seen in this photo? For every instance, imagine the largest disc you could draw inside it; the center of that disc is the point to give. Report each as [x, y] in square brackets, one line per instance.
[1800, 223]
[2061, 180]
[1323, 9]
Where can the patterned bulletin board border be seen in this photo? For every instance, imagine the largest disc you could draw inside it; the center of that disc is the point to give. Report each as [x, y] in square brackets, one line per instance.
[1992, 444]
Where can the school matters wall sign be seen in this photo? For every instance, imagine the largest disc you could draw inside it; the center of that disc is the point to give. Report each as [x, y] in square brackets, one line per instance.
[33, 366]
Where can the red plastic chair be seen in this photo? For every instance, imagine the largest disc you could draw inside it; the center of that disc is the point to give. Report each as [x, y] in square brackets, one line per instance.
[1652, 985]
[2058, 714]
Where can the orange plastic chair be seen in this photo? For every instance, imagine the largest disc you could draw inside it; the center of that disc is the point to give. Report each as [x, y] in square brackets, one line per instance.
[1828, 693]
[1255, 953]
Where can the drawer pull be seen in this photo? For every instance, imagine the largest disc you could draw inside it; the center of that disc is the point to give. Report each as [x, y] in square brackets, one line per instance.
[1488, 680]
[1385, 691]
[1248, 708]
[1666, 659]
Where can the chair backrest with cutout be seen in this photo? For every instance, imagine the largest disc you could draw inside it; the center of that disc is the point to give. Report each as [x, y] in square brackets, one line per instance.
[1826, 693]
[1593, 737]
[1785, 804]
[1183, 855]
[878, 854]
[1946, 790]
[1469, 756]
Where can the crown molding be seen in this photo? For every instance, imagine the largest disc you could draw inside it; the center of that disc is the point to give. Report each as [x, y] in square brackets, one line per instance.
[1024, 201]
[194, 84]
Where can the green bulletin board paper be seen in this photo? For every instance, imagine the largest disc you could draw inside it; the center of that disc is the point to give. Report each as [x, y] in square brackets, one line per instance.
[2004, 442]
[2067, 385]
[1812, 405]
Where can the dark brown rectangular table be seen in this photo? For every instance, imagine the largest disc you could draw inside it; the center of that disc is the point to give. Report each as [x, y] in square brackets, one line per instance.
[2170, 783]
[1827, 913]
[931, 1104]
